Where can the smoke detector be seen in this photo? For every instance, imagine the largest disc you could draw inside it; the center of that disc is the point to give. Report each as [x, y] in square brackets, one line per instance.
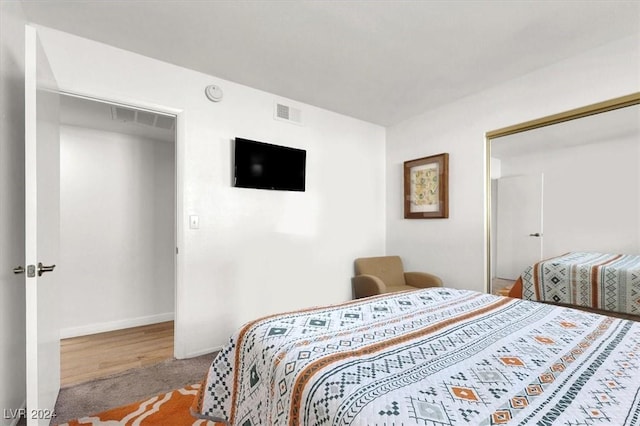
[214, 93]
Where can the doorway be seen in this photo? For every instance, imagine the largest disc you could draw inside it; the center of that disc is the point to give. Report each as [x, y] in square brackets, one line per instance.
[517, 202]
[519, 224]
[117, 217]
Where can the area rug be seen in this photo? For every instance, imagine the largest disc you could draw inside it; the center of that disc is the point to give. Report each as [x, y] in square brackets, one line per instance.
[171, 408]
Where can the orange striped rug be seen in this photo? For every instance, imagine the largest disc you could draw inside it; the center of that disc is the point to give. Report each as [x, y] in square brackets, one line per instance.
[171, 408]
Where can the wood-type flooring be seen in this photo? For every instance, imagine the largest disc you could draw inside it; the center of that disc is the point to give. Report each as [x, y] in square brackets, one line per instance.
[100, 355]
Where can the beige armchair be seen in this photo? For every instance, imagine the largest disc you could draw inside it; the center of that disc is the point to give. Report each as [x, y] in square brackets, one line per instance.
[379, 275]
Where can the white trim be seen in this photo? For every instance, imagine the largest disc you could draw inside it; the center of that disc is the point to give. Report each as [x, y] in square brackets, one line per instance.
[115, 325]
[202, 352]
[120, 101]
[148, 107]
[179, 289]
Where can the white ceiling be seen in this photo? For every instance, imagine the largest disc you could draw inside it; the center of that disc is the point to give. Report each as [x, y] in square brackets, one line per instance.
[380, 61]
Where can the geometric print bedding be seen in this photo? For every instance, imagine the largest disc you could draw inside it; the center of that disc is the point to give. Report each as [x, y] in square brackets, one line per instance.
[436, 356]
[604, 281]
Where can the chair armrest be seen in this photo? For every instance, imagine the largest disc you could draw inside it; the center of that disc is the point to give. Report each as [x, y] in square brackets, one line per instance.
[422, 279]
[367, 285]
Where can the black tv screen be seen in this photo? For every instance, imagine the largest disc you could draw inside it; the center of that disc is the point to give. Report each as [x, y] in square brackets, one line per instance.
[265, 166]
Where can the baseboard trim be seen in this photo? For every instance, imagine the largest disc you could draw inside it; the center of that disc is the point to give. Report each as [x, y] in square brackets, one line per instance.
[102, 327]
[203, 352]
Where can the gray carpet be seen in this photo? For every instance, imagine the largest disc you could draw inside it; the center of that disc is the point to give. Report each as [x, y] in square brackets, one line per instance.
[130, 386]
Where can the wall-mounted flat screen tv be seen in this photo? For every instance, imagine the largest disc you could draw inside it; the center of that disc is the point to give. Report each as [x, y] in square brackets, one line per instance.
[265, 166]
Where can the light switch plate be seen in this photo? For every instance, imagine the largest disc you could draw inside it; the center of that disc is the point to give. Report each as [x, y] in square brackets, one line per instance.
[194, 221]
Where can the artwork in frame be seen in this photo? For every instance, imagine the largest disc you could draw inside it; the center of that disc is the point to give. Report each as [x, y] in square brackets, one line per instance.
[426, 187]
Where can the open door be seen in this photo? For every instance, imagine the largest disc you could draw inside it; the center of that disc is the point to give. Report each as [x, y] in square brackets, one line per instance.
[519, 222]
[42, 211]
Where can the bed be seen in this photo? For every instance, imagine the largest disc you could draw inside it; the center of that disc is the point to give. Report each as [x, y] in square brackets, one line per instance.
[436, 356]
[604, 281]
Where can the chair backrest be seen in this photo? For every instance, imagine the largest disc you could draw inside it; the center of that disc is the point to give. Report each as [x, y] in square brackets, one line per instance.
[388, 268]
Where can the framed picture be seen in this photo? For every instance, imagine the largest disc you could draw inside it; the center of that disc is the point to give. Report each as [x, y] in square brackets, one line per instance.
[426, 187]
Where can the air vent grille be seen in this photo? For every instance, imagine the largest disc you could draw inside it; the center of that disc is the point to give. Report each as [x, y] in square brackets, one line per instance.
[165, 122]
[123, 114]
[287, 113]
[145, 118]
[282, 111]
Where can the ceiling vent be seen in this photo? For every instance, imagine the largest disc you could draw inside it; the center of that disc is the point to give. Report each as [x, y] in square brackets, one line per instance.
[165, 122]
[123, 114]
[287, 113]
[145, 118]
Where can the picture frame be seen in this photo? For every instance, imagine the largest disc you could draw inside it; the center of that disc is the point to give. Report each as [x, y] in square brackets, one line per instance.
[426, 187]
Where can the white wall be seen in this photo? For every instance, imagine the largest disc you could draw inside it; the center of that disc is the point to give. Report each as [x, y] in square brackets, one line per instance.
[12, 303]
[454, 248]
[116, 230]
[590, 196]
[256, 252]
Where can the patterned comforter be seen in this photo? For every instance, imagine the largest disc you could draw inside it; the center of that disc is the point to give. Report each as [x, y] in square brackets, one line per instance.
[429, 357]
[609, 282]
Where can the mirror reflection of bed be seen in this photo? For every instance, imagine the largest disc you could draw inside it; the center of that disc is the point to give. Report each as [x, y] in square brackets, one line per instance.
[569, 186]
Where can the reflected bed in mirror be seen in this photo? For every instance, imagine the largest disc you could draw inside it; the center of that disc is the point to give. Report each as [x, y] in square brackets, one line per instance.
[565, 183]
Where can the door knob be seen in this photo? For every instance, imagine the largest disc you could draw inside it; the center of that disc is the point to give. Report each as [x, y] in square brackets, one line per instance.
[19, 270]
[42, 268]
[537, 234]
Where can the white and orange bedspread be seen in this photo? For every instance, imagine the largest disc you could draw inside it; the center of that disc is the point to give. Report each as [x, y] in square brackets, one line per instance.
[609, 282]
[429, 357]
